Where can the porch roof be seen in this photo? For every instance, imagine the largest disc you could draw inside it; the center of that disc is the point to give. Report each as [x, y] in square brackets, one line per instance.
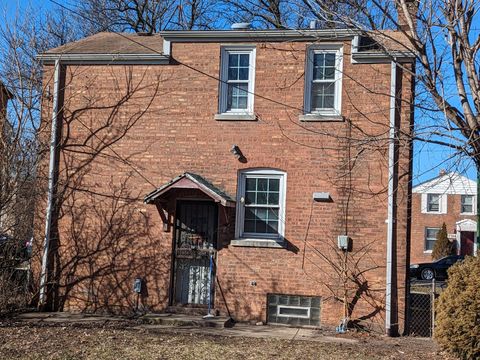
[191, 181]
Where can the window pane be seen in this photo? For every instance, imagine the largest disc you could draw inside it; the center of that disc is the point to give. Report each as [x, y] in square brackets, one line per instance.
[237, 96]
[273, 198]
[250, 197]
[429, 244]
[274, 184]
[232, 59]
[244, 60]
[272, 227]
[261, 214]
[318, 60]
[330, 60]
[318, 73]
[323, 95]
[249, 226]
[433, 202]
[262, 197]
[251, 184]
[262, 185]
[323, 66]
[243, 74]
[261, 226]
[467, 204]
[250, 214]
[329, 73]
[432, 233]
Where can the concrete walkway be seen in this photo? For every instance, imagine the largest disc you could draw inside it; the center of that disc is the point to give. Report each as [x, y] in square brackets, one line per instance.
[184, 324]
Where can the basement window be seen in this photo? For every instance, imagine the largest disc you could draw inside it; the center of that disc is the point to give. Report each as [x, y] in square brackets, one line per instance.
[293, 310]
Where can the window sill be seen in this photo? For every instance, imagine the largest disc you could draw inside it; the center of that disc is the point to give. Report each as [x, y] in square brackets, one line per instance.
[427, 251]
[235, 117]
[321, 118]
[259, 243]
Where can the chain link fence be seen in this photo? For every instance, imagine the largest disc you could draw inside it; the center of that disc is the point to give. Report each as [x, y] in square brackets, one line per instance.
[422, 298]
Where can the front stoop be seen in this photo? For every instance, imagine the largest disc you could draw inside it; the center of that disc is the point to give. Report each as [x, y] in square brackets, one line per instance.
[185, 320]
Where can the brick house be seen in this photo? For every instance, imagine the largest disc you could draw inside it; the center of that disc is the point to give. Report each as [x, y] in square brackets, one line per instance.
[227, 167]
[449, 198]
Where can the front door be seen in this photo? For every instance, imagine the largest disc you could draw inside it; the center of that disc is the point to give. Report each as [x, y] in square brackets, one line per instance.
[194, 252]
[467, 239]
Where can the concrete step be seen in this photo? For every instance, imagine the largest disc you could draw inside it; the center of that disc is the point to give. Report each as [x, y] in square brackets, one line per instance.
[167, 319]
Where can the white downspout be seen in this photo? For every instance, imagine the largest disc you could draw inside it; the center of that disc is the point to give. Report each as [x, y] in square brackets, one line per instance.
[51, 185]
[391, 191]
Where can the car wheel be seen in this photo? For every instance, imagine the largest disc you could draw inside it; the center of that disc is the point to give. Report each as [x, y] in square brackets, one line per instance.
[427, 274]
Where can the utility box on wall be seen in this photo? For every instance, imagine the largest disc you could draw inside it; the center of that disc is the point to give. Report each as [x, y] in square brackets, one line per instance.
[343, 242]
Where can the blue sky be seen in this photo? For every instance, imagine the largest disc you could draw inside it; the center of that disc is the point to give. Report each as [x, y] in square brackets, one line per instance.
[429, 159]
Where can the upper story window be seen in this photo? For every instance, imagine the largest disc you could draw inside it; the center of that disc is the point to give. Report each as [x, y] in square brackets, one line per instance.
[433, 202]
[261, 204]
[323, 80]
[237, 76]
[467, 204]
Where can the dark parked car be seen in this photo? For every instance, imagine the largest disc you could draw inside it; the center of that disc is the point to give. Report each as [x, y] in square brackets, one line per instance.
[434, 270]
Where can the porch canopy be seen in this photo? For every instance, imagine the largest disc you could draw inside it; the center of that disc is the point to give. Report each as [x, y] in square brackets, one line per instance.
[190, 181]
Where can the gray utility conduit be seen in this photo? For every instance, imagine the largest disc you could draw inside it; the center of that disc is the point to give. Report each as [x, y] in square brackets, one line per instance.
[51, 185]
[389, 327]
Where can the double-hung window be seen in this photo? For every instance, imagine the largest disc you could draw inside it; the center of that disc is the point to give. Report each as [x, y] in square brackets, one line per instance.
[430, 238]
[466, 204]
[261, 204]
[323, 80]
[237, 80]
[433, 203]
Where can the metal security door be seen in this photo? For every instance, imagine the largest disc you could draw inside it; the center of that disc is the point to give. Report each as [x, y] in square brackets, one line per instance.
[195, 242]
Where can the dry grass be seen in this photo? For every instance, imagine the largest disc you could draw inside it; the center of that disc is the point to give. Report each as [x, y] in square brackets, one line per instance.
[120, 341]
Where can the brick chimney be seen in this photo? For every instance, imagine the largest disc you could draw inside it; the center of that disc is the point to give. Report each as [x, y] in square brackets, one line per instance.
[412, 6]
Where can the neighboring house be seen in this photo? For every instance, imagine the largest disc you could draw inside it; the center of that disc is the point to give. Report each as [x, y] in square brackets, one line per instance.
[223, 165]
[449, 198]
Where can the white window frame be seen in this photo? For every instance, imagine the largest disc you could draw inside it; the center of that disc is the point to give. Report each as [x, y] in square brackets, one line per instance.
[425, 250]
[223, 95]
[279, 314]
[337, 49]
[240, 216]
[474, 204]
[442, 209]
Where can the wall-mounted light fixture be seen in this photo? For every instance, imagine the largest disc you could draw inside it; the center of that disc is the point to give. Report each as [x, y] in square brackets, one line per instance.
[235, 150]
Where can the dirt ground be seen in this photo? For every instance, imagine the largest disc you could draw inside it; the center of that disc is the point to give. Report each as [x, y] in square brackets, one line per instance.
[129, 341]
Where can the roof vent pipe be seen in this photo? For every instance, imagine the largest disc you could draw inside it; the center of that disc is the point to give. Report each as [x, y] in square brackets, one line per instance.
[241, 26]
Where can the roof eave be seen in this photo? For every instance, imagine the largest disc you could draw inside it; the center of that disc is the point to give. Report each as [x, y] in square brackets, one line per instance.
[382, 57]
[257, 35]
[105, 59]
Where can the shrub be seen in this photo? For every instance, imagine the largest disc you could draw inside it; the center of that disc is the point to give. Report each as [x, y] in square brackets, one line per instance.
[458, 311]
[443, 247]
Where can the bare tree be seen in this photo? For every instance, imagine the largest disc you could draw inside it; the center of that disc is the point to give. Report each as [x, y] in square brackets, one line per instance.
[443, 36]
[146, 16]
[21, 39]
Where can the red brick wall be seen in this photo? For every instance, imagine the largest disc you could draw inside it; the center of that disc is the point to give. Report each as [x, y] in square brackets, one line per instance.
[113, 237]
[421, 221]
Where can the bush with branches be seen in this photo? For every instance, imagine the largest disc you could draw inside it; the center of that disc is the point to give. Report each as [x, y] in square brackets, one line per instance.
[443, 246]
[458, 311]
